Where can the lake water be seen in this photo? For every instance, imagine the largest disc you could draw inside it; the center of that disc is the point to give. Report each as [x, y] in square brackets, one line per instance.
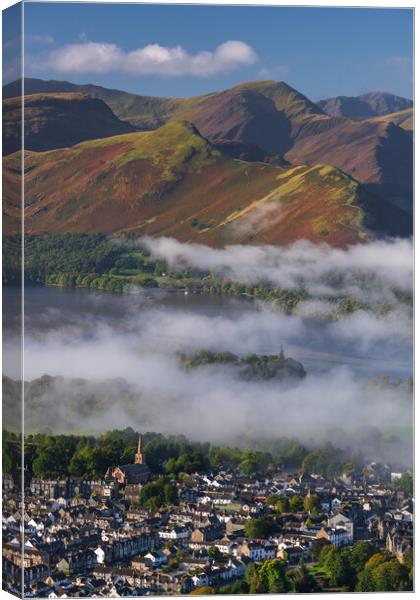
[319, 346]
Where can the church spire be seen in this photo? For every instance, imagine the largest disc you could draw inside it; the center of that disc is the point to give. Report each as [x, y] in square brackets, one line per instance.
[138, 457]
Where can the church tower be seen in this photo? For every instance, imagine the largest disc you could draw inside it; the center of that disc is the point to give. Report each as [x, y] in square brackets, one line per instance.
[138, 457]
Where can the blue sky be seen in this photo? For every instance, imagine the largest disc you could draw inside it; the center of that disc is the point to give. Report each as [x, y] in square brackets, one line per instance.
[189, 50]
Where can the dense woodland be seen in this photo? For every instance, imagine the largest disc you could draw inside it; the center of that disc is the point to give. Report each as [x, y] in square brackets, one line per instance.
[89, 456]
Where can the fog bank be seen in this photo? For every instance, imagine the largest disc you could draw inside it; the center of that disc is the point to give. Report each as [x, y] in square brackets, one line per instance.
[123, 351]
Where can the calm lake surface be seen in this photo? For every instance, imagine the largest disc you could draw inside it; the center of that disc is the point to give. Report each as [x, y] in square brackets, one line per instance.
[314, 343]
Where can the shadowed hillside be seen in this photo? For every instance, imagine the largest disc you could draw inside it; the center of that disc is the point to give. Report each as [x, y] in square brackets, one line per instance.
[58, 120]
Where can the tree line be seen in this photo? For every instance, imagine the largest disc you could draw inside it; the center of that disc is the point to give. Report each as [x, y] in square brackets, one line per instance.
[88, 456]
[173, 456]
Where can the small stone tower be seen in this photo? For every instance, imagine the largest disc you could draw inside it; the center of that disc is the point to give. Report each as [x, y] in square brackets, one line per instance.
[139, 458]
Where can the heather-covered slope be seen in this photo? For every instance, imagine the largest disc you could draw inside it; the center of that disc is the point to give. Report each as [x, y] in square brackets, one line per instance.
[173, 182]
[262, 112]
[375, 152]
[281, 121]
[58, 120]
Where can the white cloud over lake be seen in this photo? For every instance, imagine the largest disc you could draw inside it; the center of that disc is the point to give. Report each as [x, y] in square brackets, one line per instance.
[370, 272]
[124, 348]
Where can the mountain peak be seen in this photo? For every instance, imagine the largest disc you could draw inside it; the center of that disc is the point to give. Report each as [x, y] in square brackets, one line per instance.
[370, 104]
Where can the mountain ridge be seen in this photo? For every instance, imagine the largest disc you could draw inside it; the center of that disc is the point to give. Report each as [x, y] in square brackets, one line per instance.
[371, 104]
[172, 181]
[282, 122]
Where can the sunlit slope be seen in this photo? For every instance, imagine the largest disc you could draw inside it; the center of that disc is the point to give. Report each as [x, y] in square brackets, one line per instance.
[173, 182]
[402, 118]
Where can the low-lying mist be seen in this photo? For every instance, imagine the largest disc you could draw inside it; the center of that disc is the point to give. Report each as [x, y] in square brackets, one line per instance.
[122, 352]
[367, 272]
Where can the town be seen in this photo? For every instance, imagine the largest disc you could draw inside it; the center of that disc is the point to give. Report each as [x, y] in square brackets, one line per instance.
[134, 533]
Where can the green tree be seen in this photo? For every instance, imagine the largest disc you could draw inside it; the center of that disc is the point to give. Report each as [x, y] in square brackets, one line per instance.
[252, 578]
[365, 583]
[157, 493]
[303, 581]
[296, 504]
[409, 565]
[361, 552]
[215, 554]
[11, 450]
[248, 466]
[365, 578]
[405, 483]
[238, 587]
[280, 503]
[325, 552]
[317, 547]
[258, 528]
[337, 564]
[273, 576]
[390, 576]
[312, 504]
[169, 494]
[294, 454]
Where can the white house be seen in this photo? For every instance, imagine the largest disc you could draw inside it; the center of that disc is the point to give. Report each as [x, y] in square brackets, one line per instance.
[337, 536]
[225, 546]
[255, 550]
[157, 558]
[174, 533]
[341, 520]
[100, 555]
[35, 525]
[200, 579]
[335, 504]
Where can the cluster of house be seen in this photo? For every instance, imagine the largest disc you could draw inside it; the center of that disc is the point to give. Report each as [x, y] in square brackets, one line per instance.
[88, 538]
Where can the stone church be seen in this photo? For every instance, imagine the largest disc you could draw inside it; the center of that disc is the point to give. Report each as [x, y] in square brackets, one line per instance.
[136, 473]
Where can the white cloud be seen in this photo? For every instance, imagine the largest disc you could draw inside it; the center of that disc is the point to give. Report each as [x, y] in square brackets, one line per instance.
[124, 347]
[367, 272]
[153, 59]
